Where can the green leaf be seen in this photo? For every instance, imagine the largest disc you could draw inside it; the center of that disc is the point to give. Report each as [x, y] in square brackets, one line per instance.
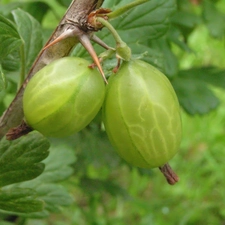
[192, 87]
[18, 175]
[149, 54]
[151, 18]
[58, 168]
[194, 96]
[6, 9]
[12, 62]
[170, 62]
[55, 196]
[175, 36]
[58, 164]
[37, 9]
[9, 37]
[19, 159]
[20, 200]
[214, 19]
[210, 75]
[186, 19]
[31, 33]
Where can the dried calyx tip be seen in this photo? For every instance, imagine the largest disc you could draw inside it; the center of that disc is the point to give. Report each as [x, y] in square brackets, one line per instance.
[169, 174]
[17, 132]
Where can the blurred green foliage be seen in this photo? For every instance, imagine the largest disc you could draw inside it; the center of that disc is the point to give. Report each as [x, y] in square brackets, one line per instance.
[103, 189]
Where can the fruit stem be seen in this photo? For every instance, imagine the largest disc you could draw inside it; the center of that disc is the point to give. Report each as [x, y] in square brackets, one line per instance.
[169, 174]
[111, 29]
[123, 9]
[122, 50]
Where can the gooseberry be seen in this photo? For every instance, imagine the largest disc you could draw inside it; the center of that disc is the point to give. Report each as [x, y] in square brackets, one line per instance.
[63, 97]
[141, 115]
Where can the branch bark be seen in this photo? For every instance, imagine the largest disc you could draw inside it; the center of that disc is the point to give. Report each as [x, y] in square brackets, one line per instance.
[77, 12]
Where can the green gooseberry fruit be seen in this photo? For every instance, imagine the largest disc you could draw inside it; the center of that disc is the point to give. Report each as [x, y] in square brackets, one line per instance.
[141, 115]
[63, 97]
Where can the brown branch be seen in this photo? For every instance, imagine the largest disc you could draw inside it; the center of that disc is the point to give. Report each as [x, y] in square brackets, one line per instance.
[77, 13]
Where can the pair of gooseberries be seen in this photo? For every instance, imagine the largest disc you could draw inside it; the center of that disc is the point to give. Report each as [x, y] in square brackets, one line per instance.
[140, 110]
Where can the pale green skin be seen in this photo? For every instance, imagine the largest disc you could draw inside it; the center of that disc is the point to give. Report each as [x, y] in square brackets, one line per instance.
[141, 115]
[63, 97]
